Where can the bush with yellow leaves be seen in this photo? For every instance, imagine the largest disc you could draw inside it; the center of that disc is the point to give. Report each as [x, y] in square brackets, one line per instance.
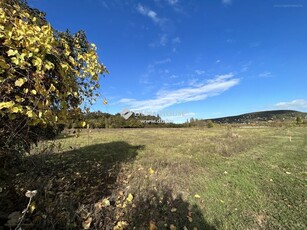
[45, 75]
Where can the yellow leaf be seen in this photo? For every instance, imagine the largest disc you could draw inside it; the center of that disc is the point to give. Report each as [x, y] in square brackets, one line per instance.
[105, 202]
[121, 225]
[30, 114]
[19, 99]
[151, 171]
[26, 90]
[72, 61]
[197, 196]
[105, 102]
[130, 198]
[20, 81]
[37, 62]
[67, 53]
[6, 105]
[152, 225]
[33, 91]
[3, 63]
[49, 65]
[52, 88]
[15, 60]
[65, 67]
[12, 52]
[83, 124]
[16, 109]
[87, 223]
[32, 207]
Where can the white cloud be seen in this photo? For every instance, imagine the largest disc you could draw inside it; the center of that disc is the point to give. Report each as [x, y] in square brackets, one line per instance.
[104, 4]
[167, 60]
[227, 2]
[199, 72]
[142, 9]
[166, 98]
[149, 13]
[166, 26]
[218, 61]
[172, 2]
[176, 40]
[151, 69]
[295, 104]
[265, 74]
[153, 15]
[245, 67]
[230, 41]
[163, 40]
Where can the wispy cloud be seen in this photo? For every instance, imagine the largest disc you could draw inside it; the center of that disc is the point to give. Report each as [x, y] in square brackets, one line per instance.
[104, 4]
[163, 39]
[149, 13]
[173, 76]
[172, 2]
[245, 67]
[230, 41]
[265, 74]
[255, 44]
[227, 2]
[167, 60]
[296, 104]
[199, 72]
[176, 40]
[166, 26]
[151, 69]
[166, 98]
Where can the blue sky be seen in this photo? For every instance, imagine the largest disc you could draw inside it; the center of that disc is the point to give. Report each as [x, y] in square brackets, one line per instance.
[200, 59]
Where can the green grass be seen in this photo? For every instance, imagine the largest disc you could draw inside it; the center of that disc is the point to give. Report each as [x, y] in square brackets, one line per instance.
[247, 178]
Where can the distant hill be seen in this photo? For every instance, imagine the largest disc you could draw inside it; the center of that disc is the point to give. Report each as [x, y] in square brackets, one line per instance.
[262, 116]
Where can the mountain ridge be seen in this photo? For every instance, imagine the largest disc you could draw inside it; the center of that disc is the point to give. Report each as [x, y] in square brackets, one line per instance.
[258, 116]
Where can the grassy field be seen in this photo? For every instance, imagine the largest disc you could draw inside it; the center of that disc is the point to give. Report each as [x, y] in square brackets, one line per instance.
[219, 178]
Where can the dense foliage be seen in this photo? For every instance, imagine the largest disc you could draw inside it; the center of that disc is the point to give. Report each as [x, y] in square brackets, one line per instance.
[105, 120]
[45, 74]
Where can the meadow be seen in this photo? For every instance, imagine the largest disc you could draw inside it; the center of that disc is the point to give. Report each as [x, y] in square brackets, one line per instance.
[185, 178]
